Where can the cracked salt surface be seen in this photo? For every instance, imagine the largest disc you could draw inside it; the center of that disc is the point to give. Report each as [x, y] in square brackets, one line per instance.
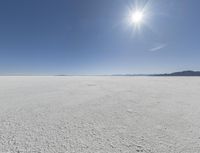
[99, 114]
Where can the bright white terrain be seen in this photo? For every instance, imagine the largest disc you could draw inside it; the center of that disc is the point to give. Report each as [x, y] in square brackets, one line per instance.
[99, 114]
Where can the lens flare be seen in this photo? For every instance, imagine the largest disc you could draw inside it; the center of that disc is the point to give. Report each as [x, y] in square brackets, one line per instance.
[137, 17]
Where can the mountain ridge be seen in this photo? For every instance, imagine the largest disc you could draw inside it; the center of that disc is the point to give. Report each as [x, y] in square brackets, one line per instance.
[181, 73]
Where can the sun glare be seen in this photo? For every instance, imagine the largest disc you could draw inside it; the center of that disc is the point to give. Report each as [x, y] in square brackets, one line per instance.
[137, 17]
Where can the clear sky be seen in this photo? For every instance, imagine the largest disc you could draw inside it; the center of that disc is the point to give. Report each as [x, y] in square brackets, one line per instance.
[48, 37]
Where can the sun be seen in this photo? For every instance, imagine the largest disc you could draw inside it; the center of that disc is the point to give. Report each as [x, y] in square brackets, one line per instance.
[137, 17]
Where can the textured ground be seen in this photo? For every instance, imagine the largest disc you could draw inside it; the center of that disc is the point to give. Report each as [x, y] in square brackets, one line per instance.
[99, 115]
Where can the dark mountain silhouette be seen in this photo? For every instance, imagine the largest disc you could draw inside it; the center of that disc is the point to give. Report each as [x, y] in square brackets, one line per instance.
[182, 73]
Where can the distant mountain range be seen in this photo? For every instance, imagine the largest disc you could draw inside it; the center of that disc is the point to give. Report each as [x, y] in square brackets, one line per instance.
[182, 73]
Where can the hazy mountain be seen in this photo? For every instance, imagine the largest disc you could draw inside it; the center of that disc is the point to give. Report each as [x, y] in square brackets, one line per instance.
[182, 73]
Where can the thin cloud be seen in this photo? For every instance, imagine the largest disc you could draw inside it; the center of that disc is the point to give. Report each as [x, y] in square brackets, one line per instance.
[158, 47]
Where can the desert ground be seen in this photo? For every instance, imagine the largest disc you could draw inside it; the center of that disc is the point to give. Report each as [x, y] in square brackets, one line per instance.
[99, 114]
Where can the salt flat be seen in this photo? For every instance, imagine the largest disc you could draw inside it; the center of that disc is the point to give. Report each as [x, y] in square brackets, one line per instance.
[99, 114]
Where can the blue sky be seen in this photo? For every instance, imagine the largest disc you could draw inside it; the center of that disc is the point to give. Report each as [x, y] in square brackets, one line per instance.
[48, 37]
